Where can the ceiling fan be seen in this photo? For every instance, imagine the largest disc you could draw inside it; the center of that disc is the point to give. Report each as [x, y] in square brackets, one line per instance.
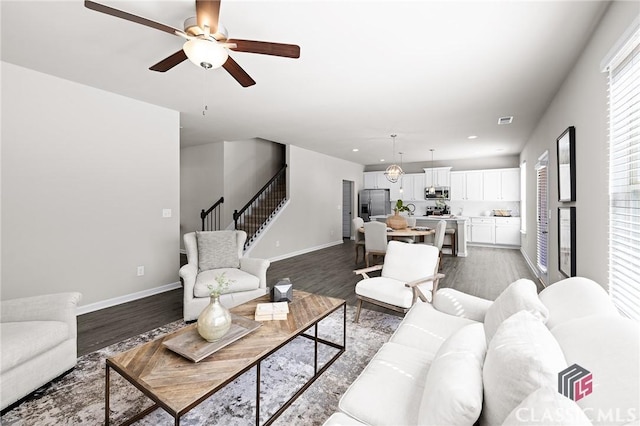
[207, 44]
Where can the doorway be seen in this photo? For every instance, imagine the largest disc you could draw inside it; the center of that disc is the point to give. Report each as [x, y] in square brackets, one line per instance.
[347, 207]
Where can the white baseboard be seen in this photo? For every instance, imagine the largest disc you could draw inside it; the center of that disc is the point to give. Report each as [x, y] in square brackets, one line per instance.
[85, 309]
[305, 251]
[533, 267]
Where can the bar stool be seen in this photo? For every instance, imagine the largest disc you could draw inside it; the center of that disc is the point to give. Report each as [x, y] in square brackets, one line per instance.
[451, 232]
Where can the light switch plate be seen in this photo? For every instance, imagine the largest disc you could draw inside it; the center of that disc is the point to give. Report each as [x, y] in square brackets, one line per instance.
[166, 212]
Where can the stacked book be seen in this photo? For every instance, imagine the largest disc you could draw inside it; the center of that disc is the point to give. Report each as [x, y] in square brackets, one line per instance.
[271, 311]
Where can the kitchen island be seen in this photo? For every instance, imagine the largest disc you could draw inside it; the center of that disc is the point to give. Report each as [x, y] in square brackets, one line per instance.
[455, 222]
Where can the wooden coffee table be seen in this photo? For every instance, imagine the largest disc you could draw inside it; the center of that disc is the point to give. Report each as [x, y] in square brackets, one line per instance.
[177, 385]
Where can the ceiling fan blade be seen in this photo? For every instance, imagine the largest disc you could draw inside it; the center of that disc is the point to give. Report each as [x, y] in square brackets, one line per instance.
[167, 63]
[238, 73]
[130, 17]
[207, 14]
[266, 48]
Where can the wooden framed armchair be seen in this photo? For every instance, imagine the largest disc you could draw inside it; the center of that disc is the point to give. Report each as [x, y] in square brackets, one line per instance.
[213, 253]
[409, 273]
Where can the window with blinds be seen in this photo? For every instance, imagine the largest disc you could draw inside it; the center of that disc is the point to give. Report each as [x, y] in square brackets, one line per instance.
[523, 197]
[542, 211]
[624, 177]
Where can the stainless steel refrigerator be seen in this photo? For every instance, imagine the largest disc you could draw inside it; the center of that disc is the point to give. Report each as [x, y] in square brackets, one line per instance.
[373, 202]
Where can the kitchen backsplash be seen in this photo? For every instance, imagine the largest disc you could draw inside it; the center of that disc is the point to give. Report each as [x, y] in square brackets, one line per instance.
[468, 208]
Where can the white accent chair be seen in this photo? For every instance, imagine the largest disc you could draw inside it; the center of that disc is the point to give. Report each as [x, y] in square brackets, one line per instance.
[210, 254]
[358, 236]
[375, 240]
[38, 342]
[410, 271]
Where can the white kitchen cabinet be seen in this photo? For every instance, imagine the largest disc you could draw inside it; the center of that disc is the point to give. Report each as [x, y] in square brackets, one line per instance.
[466, 186]
[372, 180]
[457, 189]
[508, 231]
[474, 185]
[482, 230]
[413, 187]
[501, 185]
[438, 176]
[510, 183]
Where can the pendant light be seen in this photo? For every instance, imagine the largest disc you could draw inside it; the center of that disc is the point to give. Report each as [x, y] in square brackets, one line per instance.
[393, 172]
[401, 178]
[432, 188]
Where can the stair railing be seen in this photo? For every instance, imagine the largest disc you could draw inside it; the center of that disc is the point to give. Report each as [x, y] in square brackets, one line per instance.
[211, 217]
[253, 216]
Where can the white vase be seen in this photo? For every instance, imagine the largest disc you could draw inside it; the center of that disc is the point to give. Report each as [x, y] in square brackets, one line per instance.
[214, 321]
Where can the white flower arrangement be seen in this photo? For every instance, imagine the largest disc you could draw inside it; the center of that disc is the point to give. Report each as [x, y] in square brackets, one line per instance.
[223, 284]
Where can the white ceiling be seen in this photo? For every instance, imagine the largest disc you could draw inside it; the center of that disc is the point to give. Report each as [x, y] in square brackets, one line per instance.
[432, 72]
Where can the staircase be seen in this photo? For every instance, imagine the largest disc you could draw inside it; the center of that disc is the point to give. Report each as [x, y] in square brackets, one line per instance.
[262, 208]
[256, 214]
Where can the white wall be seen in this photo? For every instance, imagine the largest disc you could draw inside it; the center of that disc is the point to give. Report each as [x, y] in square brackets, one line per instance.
[581, 101]
[201, 183]
[313, 217]
[85, 177]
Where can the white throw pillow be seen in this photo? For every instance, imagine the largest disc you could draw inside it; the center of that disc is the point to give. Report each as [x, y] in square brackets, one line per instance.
[217, 249]
[520, 295]
[522, 357]
[453, 389]
[547, 407]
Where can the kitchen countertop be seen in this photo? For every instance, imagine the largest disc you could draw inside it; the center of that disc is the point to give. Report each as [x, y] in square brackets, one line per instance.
[433, 217]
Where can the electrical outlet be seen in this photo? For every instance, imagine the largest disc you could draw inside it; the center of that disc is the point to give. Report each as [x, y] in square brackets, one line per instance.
[140, 271]
[166, 212]
[278, 243]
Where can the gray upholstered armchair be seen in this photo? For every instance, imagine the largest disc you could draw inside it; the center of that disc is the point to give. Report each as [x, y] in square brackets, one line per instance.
[212, 253]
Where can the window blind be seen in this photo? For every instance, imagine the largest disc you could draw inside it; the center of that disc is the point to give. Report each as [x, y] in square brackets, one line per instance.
[624, 178]
[523, 197]
[542, 211]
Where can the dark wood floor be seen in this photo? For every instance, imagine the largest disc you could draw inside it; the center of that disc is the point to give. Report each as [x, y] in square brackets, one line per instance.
[484, 273]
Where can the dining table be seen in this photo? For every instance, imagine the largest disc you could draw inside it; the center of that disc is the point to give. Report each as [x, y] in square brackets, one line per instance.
[419, 232]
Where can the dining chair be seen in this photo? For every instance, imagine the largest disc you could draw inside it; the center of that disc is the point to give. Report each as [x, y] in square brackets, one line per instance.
[375, 240]
[409, 273]
[439, 233]
[358, 236]
[438, 237]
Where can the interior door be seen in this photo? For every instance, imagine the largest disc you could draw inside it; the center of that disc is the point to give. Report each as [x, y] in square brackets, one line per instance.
[347, 208]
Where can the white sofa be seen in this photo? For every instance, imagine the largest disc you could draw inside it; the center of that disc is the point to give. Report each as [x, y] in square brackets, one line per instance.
[248, 275]
[466, 361]
[38, 342]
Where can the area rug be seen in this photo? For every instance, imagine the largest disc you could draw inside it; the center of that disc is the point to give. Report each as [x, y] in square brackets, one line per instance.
[78, 397]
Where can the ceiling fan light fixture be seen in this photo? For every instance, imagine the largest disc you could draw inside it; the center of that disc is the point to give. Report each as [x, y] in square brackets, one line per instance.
[205, 53]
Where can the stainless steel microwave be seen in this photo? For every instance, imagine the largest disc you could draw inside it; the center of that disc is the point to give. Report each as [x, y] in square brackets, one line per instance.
[441, 193]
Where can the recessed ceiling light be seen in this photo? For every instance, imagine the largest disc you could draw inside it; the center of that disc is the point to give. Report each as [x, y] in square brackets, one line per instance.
[500, 149]
[355, 150]
[472, 137]
[382, 160]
